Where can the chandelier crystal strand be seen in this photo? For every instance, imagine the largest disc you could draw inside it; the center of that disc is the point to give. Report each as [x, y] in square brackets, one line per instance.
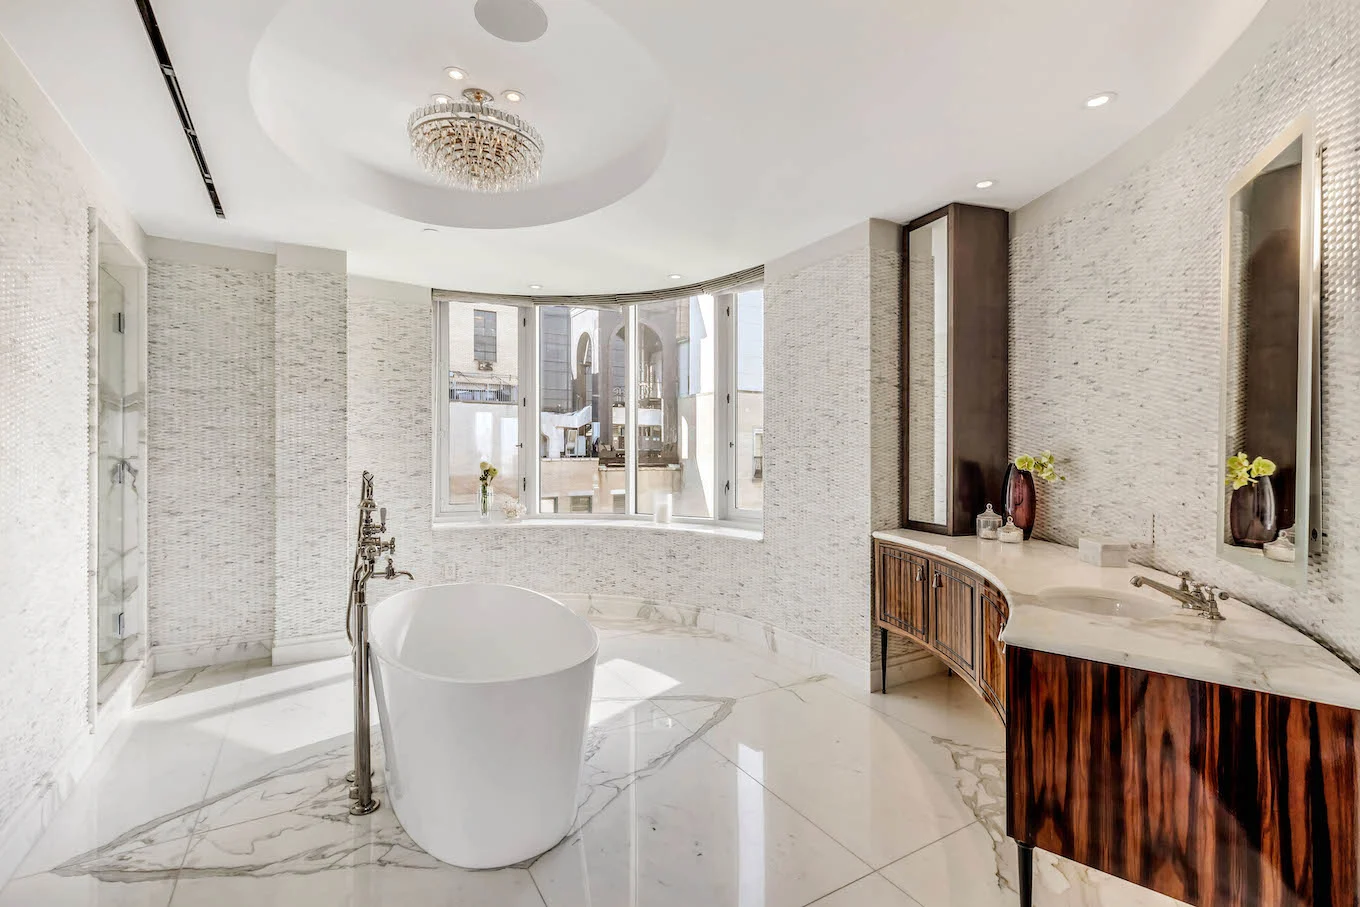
[470, 145]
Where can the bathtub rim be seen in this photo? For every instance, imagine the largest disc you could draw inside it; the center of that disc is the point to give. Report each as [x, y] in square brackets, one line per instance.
[386, 658]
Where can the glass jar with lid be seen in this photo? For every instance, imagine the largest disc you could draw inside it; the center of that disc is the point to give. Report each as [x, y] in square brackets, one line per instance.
[988, 522]
[1010, 533]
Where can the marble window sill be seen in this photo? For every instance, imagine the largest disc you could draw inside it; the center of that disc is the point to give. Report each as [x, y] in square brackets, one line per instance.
[744, 533]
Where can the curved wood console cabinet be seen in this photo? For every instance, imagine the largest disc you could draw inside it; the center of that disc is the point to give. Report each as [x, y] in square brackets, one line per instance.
[947, 609]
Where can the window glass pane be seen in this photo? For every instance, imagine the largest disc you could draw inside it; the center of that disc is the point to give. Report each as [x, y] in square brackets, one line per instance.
[484, 337]
[483, 398]
[750, 410]
[581, 428]
[675, 400]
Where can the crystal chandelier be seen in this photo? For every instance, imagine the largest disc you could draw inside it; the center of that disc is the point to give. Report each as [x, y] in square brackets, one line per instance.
[472, 146]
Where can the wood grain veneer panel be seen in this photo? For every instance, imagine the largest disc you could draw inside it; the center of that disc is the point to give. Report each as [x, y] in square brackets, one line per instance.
[1210, 794]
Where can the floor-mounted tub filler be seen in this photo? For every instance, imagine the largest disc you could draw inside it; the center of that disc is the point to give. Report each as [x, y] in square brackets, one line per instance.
[484, 698]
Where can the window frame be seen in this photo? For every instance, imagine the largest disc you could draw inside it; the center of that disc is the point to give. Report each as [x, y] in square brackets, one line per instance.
[528, 481]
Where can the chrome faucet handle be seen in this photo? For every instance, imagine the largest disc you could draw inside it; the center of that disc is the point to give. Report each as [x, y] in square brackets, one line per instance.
[382, 519]
[1185, 580]
[392, 572]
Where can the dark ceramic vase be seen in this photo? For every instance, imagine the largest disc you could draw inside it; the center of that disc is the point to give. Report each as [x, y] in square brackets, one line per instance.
[1019, 497]
[1252, 515]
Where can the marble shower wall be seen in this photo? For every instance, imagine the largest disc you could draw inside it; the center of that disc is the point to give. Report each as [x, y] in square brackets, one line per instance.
[1115, 314]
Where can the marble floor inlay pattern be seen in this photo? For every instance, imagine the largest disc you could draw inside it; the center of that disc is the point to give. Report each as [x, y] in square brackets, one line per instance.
[713, 777]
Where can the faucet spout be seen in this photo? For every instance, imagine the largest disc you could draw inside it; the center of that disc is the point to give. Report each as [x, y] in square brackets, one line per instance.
[1200, 597]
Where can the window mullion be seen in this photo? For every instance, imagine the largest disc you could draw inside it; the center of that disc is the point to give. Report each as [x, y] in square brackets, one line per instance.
[630, 416]
[529, 401]
[724, 408]
[440, 394]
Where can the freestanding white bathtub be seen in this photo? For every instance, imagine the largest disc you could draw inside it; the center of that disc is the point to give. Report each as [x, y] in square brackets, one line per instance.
[484, 696]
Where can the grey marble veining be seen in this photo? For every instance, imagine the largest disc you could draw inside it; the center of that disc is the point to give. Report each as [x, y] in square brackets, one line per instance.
[703, 789]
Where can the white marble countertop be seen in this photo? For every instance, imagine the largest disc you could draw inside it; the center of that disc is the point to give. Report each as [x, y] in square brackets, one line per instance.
[1250, 649]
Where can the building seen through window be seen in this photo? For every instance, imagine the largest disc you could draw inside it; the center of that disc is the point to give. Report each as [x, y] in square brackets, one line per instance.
[690, 422]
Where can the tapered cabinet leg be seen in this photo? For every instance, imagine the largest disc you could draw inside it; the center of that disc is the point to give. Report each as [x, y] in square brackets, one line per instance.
[883, 657]
[1026, 854]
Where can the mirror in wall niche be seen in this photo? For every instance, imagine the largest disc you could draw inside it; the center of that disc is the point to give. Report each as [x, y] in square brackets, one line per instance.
[927, 388]
[1269, 489]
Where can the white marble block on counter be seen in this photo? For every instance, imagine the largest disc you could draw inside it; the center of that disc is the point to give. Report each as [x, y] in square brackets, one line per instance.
[1103, 552]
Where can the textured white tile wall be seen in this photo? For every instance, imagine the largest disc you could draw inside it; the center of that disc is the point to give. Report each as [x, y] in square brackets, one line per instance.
[210, 405]
[826, 454]
[1115, 360]
[44, 451]
[312, 549]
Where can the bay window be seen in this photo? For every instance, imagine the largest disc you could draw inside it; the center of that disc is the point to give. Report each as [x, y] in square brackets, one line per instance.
[618, 407]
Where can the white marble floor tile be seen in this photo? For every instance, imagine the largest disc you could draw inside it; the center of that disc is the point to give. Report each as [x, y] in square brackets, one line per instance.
[191, 680]
[281, 711]
[870, 891]
[368, 885]
[142, 789]
[940, 705]
[977, 867]
[660, 666]
[958, 871]
[878, 786]
[48, 890]
[713, 777]
[700, 832]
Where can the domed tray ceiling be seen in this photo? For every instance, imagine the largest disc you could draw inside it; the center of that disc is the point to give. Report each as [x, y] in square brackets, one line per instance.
[333, 82]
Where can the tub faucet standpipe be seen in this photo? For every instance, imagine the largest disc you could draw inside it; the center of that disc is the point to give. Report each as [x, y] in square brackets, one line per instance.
[368, 548]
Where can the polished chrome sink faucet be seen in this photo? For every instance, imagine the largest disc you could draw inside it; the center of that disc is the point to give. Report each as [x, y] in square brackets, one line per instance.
[1202, 598]
[369, 547]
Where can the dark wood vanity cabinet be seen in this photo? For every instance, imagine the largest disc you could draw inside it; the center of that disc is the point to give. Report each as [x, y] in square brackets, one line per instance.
[954, 617]
[993, 612]
[1214, 795]
[946, 608]
[903, 581]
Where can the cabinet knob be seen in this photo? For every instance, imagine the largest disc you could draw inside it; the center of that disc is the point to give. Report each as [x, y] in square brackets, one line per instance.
[920, 574]
[938, 581]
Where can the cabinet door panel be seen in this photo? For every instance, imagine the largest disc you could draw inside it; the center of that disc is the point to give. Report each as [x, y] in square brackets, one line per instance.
[903, 586]
[954, 617]
[992, 658]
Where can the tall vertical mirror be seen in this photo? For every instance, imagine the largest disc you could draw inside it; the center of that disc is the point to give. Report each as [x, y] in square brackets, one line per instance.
[1269, 487]
[928, 373]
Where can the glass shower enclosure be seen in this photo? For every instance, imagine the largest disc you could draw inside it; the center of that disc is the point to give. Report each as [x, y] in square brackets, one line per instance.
[120, 396]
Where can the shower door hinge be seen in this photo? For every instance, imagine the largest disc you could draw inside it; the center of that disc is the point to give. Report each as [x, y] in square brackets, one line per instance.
[118, 322]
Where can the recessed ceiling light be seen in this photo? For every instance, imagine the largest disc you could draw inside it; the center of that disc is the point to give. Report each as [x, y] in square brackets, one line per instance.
[440, 98]
[535, 286]
[986, 184]
[1100, 100]
[453, 72]
[676, 276]
[512, 95]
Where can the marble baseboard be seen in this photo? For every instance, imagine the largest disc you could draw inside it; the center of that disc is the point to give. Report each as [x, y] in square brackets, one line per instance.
[35, 812]
[202, 655]
[301, 649]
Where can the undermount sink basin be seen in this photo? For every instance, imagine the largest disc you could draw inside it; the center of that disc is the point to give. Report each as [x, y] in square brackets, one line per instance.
[1104, 602]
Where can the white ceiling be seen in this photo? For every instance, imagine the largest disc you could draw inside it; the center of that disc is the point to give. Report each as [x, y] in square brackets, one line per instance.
[696, 137]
